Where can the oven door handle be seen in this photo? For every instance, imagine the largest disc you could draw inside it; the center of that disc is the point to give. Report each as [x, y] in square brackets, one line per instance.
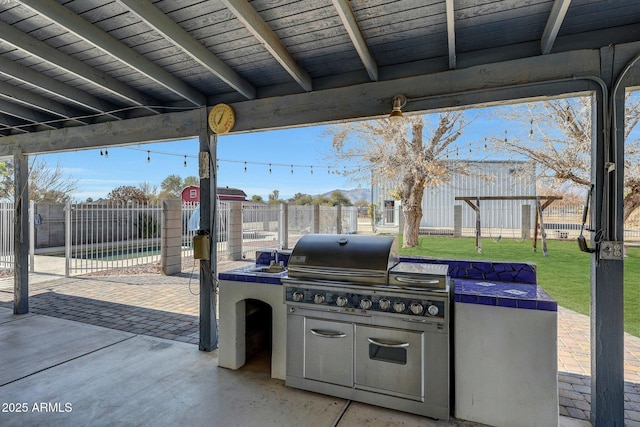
[327, 334]
[388, 344]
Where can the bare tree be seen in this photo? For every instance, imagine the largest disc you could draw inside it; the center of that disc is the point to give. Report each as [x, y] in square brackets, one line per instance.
[404, 153]
[48, 185]
[559, 140]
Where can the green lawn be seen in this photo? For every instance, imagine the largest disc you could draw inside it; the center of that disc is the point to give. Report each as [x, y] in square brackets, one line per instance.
[564, 273]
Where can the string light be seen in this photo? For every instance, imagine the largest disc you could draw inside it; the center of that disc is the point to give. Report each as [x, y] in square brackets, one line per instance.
[246, 163]
[101, 153]
[505, 136]
[531, 129]
[106, 154]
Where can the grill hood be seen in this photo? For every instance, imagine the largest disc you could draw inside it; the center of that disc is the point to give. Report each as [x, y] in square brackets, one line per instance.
[344, 257]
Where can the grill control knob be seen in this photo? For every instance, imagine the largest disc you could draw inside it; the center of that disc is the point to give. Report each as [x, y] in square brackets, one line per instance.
[297, 296]
[341, 301]
[433, 310]
[398, 306]
[416, 308]
[318, 298]
[384, 304]
[365, 304]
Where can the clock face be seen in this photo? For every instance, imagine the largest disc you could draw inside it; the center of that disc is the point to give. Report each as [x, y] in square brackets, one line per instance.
[221, 118]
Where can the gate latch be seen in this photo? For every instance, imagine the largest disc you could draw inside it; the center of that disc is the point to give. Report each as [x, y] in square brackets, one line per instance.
[612, 250]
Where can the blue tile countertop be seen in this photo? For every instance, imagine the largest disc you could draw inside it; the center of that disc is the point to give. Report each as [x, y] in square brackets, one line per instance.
[497, 283]
[250, 275]
[503, 294]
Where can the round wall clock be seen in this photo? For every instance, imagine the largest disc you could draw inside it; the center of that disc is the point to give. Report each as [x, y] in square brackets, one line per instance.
[221, 118]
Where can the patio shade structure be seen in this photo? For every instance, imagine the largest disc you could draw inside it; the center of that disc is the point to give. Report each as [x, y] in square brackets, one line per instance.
[100, 73]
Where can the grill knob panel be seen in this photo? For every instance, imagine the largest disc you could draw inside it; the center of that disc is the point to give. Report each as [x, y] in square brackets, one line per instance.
[433, 310]
[365, 304]
[297, 296]
[384, 304]
[398, 306]
[416, 308]
[318, 299]
[342, 301]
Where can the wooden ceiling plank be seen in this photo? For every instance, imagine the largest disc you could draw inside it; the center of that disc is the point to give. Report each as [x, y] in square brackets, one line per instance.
[558, 12]
[256, 25]
[92, 34]
[32, 100]
[74, 95]
[357, 38]
[177, 35]
[45, 52]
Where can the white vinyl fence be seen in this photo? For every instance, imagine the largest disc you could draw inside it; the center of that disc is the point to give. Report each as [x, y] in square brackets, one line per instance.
[125, 236]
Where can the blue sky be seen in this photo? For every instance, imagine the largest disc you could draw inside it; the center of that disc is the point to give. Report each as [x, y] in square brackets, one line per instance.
[300, 147]
[129, 166]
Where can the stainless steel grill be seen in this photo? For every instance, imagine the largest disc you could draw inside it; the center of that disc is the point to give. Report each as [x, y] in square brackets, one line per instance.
[363, 326]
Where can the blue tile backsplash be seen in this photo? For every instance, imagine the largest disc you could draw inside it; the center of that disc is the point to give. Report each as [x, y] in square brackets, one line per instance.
[496, 283]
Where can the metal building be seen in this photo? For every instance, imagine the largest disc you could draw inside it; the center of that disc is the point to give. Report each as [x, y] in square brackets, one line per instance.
[483, 178]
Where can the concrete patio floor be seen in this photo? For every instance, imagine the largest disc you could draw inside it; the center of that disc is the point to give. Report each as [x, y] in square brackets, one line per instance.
[88, 336]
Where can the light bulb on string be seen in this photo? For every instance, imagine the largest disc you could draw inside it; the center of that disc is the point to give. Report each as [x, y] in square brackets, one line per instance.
[328, 170]
[531, 129]
[311, 170]
[269, 168]
[245, 167]
[505, 136]
[106, 154]
[185, 161]
[291, 169]
[101, 153]
[148, 156]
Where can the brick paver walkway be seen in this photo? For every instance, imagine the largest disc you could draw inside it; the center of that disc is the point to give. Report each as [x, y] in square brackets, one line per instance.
[168, 307]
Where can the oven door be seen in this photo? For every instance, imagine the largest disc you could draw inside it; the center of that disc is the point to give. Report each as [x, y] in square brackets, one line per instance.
[390, 361]
[328, 352]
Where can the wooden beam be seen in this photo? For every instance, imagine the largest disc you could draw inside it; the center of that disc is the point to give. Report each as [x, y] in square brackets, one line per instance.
[260, 30]
[558, 12]
[164, 127]
[350, 23]
[451, 34]
[555, 74]
[21, 234]
[173, 32]
[90, 33]
[208, 219]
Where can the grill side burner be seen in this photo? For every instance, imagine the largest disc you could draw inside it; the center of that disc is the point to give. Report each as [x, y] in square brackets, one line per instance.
[383, 342]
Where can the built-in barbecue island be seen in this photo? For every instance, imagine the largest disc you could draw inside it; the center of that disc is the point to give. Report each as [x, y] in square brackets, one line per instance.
[344, 315]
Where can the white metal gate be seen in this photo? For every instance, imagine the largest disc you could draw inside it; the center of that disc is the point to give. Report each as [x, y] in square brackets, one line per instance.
[112, 236]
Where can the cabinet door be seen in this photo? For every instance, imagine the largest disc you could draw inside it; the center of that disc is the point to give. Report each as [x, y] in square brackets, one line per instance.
[328, 352]
[390, 361]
